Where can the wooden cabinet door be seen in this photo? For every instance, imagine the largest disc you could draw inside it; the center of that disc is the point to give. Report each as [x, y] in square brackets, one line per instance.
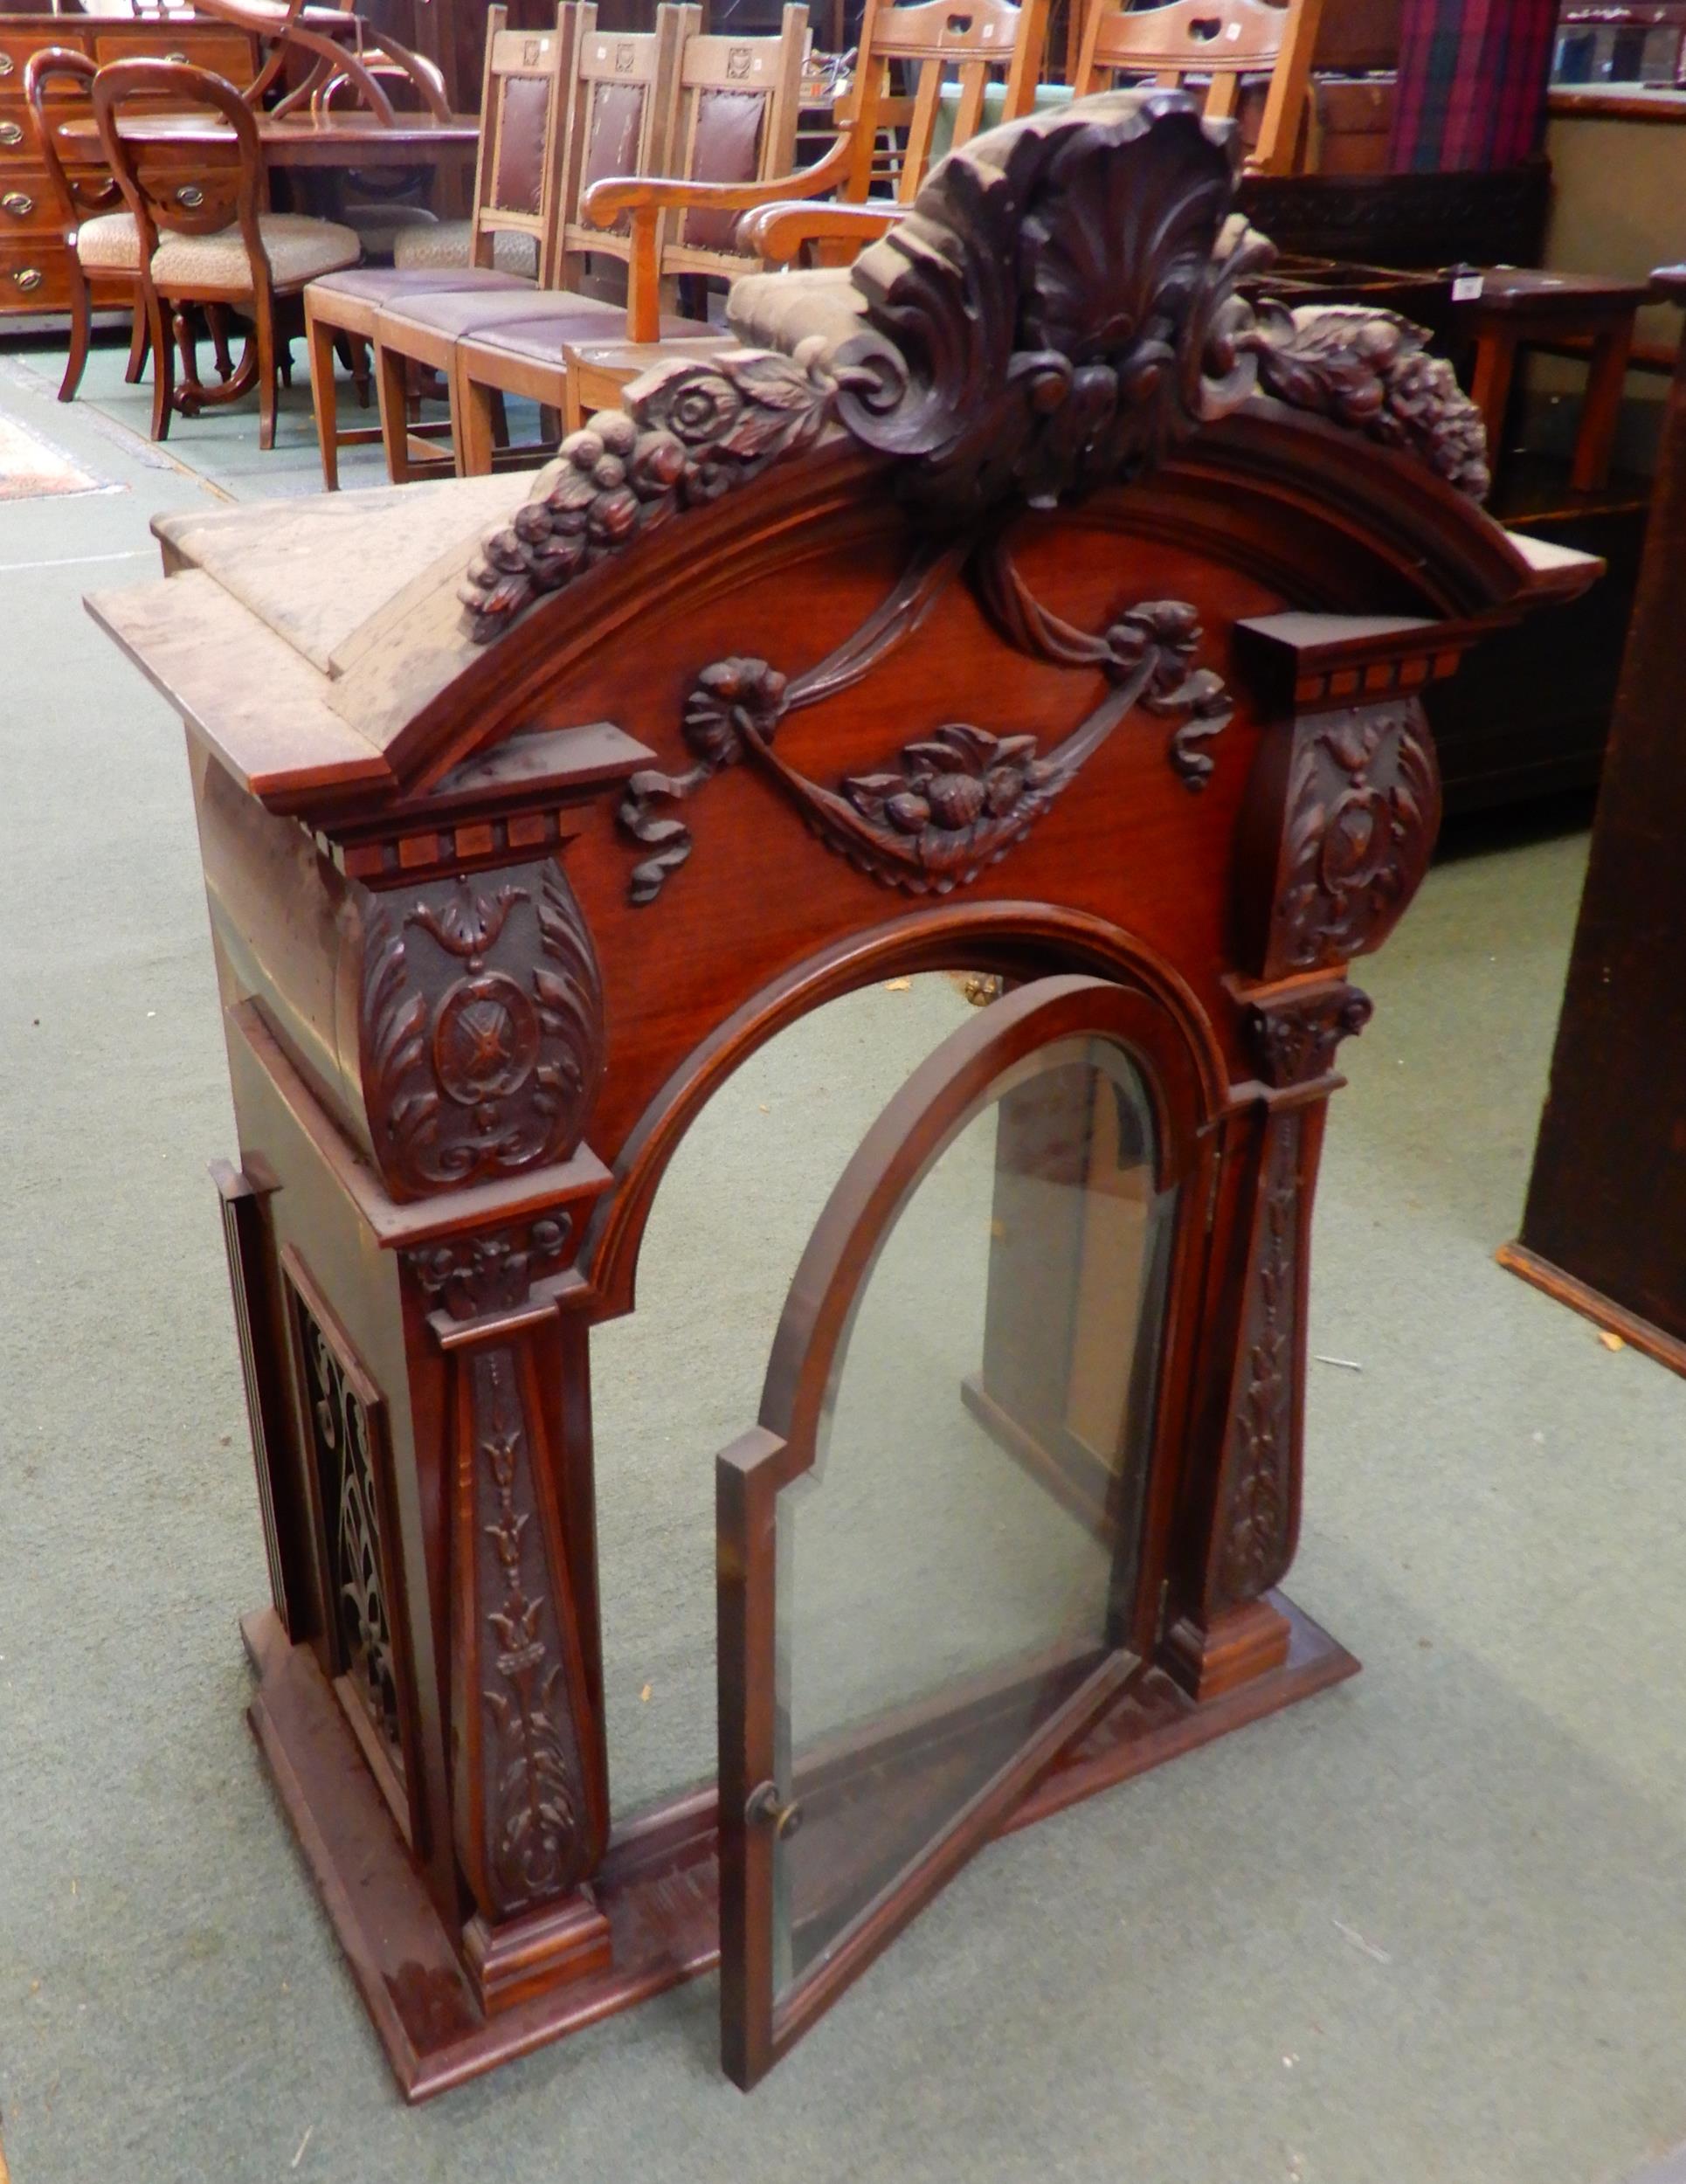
[935, 1563]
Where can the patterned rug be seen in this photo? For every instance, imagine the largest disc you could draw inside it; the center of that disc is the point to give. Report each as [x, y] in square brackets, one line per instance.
[31, 467]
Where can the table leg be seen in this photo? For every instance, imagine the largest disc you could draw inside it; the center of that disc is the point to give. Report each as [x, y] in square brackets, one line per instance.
[1600, 409]
[1496, 365]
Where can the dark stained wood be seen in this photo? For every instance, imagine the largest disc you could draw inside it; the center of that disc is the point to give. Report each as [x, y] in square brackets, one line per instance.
[1606, 1202]
[842, 657]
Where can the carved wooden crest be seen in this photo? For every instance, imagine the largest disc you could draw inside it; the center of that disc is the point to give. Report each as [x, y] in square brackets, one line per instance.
[1061, 306]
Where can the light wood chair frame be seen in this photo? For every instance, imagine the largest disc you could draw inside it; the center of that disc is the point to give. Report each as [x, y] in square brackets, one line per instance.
[600, 59]
[482, 372]
[333, 316]
[1223, 41]
[935, 42]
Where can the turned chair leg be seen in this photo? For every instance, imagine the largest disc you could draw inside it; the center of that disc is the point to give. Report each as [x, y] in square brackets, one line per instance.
[139, 342]
[80, 326]
[185, 332]
[322, 340]
[216, 319]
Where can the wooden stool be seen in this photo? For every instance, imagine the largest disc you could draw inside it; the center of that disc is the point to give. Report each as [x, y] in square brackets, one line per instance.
[1581, 313]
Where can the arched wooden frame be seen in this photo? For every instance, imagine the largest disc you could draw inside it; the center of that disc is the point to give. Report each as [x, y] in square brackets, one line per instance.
[1021, 940]
[952, 1085]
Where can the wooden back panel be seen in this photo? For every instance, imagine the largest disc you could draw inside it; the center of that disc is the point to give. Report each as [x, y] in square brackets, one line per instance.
[1222, 42]
[623, 110]
[518, 175]
[47, 75]
[739, 99]
[940, 42]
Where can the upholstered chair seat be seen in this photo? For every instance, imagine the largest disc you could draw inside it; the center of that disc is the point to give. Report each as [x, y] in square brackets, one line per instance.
[298, 249]
[447, 243]
[109, 243]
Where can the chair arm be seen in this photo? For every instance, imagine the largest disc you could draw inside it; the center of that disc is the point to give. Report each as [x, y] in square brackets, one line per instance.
[643, 199]
[836, 233]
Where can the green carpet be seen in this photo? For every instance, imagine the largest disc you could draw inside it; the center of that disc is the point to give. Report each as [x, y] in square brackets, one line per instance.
[1427, 1927]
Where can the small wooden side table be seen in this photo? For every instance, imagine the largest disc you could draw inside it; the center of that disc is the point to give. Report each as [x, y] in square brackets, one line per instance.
[1522, 309]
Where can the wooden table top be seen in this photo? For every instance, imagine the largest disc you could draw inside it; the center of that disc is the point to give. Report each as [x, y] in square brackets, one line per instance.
[333, 140]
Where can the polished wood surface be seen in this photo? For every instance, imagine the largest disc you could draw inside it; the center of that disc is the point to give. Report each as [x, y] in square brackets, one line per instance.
[516, 849]
[1606, 1201]
[325, 140]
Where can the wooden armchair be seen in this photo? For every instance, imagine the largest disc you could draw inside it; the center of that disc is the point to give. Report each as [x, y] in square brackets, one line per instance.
[99, 228]
[739, 99]
[1222, 43]
[929, 47]
[191, 256]
[621, 108]
[517, 179]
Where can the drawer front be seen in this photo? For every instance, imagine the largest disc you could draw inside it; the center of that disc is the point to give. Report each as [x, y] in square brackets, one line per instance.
[224, 52]
[29, 205]
[34, 274]
[16, 45]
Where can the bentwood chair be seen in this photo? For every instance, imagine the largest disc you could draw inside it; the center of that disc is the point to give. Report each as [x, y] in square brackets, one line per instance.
[511, 237]
[622, 105]
[915, 64]
[99, 230]
[1221, 42]
[193, 256]
[739, 99]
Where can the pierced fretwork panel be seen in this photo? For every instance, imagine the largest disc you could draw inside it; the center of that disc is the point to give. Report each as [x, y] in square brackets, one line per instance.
[345, 1429]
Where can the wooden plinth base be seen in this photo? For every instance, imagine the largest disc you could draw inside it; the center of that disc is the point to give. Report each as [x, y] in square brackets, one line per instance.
[659, 1887]
[1603, 1311]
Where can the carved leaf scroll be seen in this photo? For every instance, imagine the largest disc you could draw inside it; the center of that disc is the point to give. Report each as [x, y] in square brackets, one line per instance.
[1063, 303]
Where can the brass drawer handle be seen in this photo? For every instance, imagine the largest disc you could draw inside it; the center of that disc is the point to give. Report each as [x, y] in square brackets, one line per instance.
[27, 278]
[179, 58]
[191, 195]
[18, 203]
[11, 133]
[7, 64]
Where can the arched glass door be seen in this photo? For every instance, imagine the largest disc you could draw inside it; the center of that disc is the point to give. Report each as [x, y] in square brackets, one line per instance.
[930, 1546]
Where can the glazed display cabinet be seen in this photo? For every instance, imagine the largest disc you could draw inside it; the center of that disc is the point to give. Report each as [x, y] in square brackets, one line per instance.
[1025, 602]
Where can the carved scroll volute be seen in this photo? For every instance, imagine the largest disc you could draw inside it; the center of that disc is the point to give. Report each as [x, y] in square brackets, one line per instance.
[480, 1026]
[528, 1790]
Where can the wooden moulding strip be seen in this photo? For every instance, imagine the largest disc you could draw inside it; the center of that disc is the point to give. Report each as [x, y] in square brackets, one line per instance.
[1580, 1296]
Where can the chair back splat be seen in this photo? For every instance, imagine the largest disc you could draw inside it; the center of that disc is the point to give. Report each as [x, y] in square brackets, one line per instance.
[1220, 42]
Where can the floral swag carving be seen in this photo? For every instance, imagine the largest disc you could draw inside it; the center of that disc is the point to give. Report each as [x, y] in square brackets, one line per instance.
[1061, 305]
[953, 802]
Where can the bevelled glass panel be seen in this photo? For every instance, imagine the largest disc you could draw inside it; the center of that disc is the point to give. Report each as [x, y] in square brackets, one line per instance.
[962, 1557]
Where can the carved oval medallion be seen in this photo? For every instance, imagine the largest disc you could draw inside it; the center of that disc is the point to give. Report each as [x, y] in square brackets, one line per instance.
[486, 1039]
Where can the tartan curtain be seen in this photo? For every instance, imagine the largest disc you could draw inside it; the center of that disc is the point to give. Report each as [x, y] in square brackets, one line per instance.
[1472, 83]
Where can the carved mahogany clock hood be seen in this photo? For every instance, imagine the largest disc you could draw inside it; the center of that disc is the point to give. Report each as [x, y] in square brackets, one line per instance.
[1032, 598]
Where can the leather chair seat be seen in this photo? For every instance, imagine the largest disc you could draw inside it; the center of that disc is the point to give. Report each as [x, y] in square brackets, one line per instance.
[453, 316]
[299, 249]
[542, 338]
[381, 285]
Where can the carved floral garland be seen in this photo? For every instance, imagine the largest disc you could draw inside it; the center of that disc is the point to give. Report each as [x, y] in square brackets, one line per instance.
[1061, 305]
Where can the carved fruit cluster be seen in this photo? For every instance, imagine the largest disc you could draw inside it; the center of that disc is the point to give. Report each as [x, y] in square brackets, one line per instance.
[1369, 371]
[689, 433]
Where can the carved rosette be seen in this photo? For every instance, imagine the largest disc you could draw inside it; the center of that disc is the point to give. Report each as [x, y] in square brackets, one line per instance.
[482, 1036]
[1062, 304]
[1296, 1034]
[1256, 1508]
[1363, 808]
